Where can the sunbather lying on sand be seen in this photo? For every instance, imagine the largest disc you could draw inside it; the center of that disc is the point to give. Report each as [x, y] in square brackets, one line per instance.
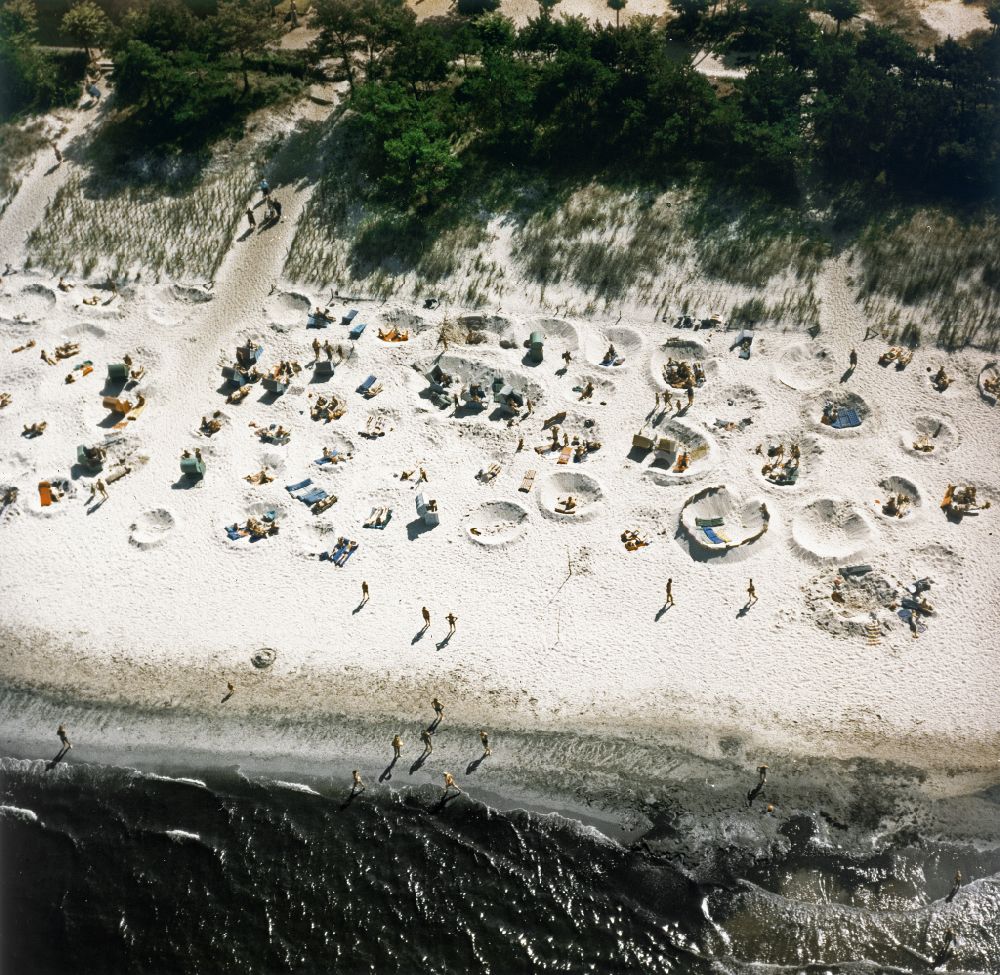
[92, 300]
[5, 399]
[35, 429]
[64, 285]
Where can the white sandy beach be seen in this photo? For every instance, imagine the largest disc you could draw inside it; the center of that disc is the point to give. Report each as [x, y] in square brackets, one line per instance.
[145, 600]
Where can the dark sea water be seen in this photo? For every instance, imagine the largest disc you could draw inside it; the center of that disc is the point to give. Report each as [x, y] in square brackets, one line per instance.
[108, 869]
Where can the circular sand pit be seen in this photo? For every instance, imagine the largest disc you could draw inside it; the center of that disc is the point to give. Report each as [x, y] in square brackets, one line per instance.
[715, 522]
[627, 346]
[151, 528]
[496, 523]
[559, 335]
[263, 658]
[581, 488]
[493, 324]
[287, 308]
[899, 498]
[404, 320]
[86, 330]
[32, 303]
[832, 530]
[683, 350]
[839, 413]
[681, 452]
[190, 294]
[989, 383]
[805, 367]
[929, 437]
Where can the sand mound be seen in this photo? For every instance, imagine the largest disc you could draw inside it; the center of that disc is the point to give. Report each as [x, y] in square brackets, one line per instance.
[263, 658]
[151, 528]
[832, 530]
[190, 294]
[496, 523]
[929, 437]
[32, 303]
[581, 487]
[715, 522]
[805, 367]
[898, 485]
[287, 308]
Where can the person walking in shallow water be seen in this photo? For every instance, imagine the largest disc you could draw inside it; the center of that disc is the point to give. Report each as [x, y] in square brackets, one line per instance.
[397, 746]
[449, 783]
[357, 786]
[485, 739]
[425, 737]
[63, 737]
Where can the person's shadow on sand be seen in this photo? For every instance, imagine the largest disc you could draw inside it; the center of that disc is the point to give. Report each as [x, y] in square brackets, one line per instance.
[60, 755]
[418, 764]
[443, 643]
[743, 610]
[351, 796]
[246, 233]
[387, 774]
[444, 800]
[419, 634]
[474, 764]
[661, 612]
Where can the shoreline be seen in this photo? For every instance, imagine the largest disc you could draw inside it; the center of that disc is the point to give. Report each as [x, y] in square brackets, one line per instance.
[658, 793]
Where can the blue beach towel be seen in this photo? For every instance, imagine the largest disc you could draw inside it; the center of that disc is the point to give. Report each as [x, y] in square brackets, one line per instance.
[712, 536]
[367, 384]
[234, 534]
[313, 496]
[846, 418]
[292, 488]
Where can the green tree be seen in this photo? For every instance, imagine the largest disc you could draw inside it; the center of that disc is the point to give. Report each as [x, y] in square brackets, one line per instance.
[841, 10]
[245, 28]
[88, 23]
[617, 6]
[381, 25]
[18, 19]
[545, 8]
[993, 15]
[339, 27]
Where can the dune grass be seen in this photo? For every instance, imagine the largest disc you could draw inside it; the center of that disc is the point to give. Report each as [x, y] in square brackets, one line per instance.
[932, 273]
[19, 142]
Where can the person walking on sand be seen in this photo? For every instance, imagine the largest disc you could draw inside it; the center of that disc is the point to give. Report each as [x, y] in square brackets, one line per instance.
[364, 592]
[853, 359]
[425, 737]
[762, 773]
[251, 219]
[751, 593]
[452, 620]
[670, 593]
[316, 347]
[357, 786]
[426, 613]
[63, 737]
[449, 783]
[230, 691]
[955, 887]
[485, 739]
[397, 746]
[265, 188]
[438, 710]
[276, 209]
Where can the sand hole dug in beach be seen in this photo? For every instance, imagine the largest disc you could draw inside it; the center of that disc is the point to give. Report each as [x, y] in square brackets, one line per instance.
[989, 383]
[287, 308]
[496, 523]
[778, 467]
[806, 367]
[85, 330]
[404, 320]
[492, 324]
[464, 371]
[686, 438]
[190, 294]
[151, 528]
[560, 336]
[897, 488]
[852, 414]
[263, 658]
[832, 530]
[685, 350]
[31, 303]
[852, 605]
[582, 488]
[929, 437]
[715, 522]
[627, 346]
[733, 407]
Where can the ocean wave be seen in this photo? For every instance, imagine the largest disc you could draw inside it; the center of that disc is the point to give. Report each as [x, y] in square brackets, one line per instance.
[182, 834]
[295, 787]
[170, 778]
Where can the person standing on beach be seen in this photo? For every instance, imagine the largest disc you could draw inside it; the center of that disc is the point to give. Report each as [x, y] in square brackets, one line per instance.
[425, 737]
[364, 592]
[438, 710]
[955, 887]
[63, 737]
[853, 358]
[357, 786]
[397, 745]
[426, 613]
[276, 209]
[670, 593]
[265, 188]
[452, 620]
[251, 219]
[751, 593]
[449, 783]
[485, 739]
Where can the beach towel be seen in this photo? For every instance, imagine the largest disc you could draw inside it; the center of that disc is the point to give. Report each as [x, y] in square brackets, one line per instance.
[326, 460]
[235, 534]
[846, 417]
[317, 321]
[349, 317]
[313, 496]
[712, 536]
[292, 488]
[709, 522]
[367, 384]
[355, 333]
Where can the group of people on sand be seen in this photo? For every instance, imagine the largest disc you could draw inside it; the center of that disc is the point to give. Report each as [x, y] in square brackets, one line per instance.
[272, 203]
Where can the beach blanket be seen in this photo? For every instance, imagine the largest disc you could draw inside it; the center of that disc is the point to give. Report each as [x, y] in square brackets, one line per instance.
[846, 417]
[711, 535]
[312, 497]
[235, 534]
[325, 460]
[292, 488]
[709, 522]
[317, 321]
